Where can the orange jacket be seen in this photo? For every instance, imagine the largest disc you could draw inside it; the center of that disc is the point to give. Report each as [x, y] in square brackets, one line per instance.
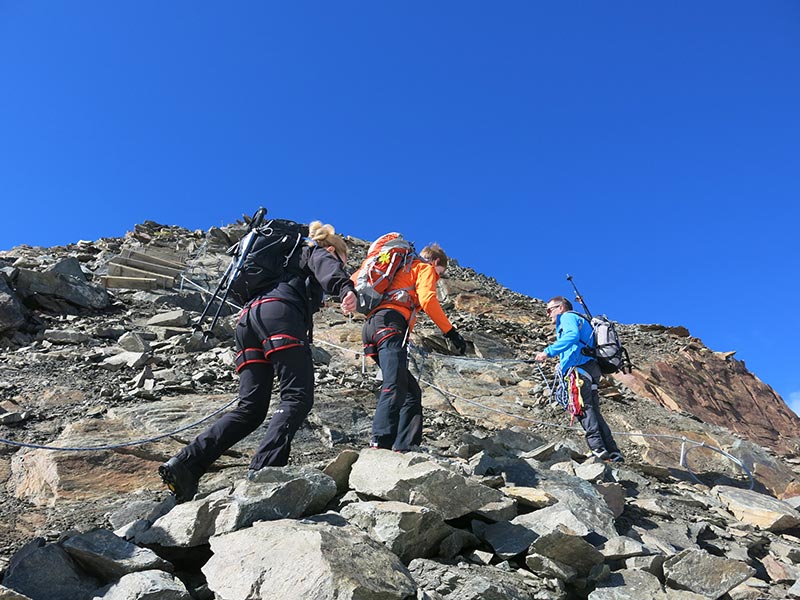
[419, 279]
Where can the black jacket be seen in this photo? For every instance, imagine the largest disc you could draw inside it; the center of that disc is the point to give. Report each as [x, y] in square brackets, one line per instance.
[311, 273]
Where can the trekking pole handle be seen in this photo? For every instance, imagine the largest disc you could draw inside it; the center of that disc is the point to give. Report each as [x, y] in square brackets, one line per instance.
[254, 223]
[258, 218]
[578, 296]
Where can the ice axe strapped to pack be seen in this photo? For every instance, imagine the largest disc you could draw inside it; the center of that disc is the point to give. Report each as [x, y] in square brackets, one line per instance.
[608, 351]
[259, 259]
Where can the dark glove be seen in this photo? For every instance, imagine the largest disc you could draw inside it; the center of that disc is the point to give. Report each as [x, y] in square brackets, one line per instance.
[458, 341]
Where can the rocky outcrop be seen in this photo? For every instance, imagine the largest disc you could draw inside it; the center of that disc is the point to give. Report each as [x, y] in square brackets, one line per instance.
[705, 574]
[757, 509]
[392, 476]
[316, 558]
[11, 311]
[501, 501]
[65, 281]
[263, 537]
[718, 389]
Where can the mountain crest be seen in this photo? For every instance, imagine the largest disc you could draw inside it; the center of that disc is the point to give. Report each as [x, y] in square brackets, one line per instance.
[99, 356]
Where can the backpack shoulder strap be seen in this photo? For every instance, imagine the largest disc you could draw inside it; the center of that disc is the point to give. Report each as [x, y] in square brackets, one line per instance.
[588, 322]
[581, 315]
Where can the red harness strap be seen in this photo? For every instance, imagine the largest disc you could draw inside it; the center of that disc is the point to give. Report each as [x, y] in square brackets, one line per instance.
[279, 341]
[575, 405]
[249, 356]
[274, 343]
[371, 348]
[253, 304]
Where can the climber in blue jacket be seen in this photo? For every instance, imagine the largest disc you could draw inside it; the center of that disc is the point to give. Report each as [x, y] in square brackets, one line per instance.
[582, 375]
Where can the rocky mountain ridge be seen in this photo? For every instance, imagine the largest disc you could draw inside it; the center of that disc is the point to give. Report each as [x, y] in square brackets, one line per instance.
[83, 367]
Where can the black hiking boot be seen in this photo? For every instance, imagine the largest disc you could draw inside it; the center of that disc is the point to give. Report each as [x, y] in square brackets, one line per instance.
[179, 479]
[616, 457]
[380, 442]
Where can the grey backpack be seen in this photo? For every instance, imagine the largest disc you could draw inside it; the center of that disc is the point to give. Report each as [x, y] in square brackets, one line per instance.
[608, 351]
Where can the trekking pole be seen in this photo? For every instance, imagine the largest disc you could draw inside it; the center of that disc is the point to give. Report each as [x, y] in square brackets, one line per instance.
[578, 296]
[239, 252]
[546, 380]
[198, 325]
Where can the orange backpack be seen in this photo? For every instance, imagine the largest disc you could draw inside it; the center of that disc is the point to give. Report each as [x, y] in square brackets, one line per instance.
[385, 257]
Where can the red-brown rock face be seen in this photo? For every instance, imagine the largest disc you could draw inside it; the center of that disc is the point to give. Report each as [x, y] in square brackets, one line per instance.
[718, 389]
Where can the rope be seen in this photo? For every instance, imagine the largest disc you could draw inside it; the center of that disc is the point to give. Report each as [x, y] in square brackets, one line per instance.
[492, 409]
[342, 348]
[121, 445]
[556, 390]
[130, 443]
[694, 445]
[683, 439]
[423, 354]
[185, 279]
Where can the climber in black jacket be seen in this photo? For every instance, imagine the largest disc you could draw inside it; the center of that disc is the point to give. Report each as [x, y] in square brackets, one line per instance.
[272, 338]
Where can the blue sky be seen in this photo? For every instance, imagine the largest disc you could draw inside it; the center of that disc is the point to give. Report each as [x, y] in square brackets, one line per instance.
[649, 149]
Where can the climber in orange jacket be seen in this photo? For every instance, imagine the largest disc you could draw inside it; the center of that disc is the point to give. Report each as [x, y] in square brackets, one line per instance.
[397, 423]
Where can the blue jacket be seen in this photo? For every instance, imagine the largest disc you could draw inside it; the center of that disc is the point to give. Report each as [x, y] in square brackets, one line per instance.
[573, 333]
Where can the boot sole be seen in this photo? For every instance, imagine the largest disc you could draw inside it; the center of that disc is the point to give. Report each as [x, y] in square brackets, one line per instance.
[168, 479]
[171, 481]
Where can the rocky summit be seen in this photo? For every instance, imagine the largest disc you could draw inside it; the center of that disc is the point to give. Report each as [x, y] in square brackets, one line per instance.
[103, 376]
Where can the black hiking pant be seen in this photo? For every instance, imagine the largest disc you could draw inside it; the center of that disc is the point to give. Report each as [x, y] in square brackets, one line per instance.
[271, 339]
[598, 434]
[397, 423]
